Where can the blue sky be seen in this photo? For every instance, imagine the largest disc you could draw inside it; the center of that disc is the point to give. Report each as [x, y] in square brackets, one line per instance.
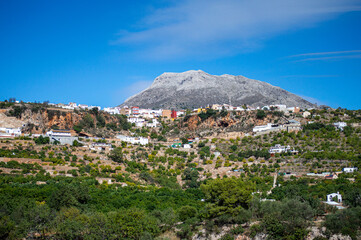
[102, 52]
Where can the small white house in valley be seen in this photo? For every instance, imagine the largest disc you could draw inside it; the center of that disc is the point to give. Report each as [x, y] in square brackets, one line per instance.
[331, 196]
[340, 125]
[334, 196]
[262, 128]
[133, 140]
[278, 148]
[350, 170]
[59, 133]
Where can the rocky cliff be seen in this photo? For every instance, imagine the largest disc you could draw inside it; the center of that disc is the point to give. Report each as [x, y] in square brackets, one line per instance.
[33, 118]
[193, 89]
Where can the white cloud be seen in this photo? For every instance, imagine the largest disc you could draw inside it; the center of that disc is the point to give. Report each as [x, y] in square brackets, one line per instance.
[327, 53]
[217, 28]
[310, 76]
[323, 56]
[330, 58]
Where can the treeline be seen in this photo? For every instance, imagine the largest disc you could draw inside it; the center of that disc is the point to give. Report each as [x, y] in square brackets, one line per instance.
[80, 208]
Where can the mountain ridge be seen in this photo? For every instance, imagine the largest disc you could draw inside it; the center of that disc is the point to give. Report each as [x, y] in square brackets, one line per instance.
[196, 88]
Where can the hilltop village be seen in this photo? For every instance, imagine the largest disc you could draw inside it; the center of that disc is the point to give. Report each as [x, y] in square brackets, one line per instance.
[273, 157]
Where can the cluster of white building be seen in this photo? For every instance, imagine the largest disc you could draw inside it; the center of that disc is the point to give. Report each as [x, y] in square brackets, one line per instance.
[141, 122]
[73, 106]
[278, 107]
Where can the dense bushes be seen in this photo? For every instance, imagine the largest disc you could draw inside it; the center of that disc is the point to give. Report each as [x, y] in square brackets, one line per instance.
[75, 208]
[72, 208]
[227, 196]
[256, 153]
[207, 114]
[346, 222]
[17, 111]
[42, 140]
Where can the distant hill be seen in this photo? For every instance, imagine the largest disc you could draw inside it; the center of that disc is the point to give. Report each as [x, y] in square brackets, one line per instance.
[193, 89]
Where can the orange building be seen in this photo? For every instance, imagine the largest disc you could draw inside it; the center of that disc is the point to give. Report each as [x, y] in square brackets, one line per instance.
[167, 114]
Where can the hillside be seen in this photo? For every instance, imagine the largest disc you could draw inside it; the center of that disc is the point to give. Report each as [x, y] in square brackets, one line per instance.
[193, 89]
[37, 118]
[226, 186]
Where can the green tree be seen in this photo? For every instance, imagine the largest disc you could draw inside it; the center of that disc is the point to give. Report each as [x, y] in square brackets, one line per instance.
[116, 155]
[132, 223]
[187, 212]
[69, 195]
[260, 114]
[227, 195]
[100, 120]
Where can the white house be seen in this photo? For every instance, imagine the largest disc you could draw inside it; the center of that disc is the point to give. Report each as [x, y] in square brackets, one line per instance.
[157, 113]
[350, 170]
[68, 107]
[10, 132]
[112, 110]
[133, 140]
[72, 104]
[280, 107]
[340, 125]
[278, 148]
[101, 146]
[333, 195]
[186, 146]
[83, 106]
[262, 128]
[59, 133]
[306, 114]
[180, 113]
[136, 120]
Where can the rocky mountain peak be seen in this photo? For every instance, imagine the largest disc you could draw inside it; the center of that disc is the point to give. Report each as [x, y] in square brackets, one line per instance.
[196, 88]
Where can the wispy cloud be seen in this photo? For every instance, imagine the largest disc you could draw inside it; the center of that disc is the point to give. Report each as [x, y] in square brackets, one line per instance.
[324, 56]
[310, 76]
[215, 28]
[327, 53]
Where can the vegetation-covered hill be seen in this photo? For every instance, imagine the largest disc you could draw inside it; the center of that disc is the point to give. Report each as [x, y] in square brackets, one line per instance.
[221, 188]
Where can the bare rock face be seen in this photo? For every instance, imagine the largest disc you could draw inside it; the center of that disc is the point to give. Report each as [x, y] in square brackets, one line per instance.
[193, 89]
[10, 122]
